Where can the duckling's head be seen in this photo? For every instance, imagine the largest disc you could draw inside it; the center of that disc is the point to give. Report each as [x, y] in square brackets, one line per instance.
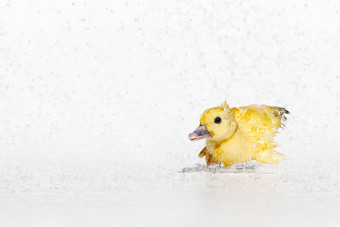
[216, 124]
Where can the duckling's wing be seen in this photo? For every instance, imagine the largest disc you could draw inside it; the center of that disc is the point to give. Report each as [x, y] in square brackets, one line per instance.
[260, 120]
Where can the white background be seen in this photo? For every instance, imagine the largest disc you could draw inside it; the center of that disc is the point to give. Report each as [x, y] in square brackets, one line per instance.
[97, 99]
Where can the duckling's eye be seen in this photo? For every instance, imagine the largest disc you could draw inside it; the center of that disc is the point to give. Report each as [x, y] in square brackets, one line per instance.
[217, 120]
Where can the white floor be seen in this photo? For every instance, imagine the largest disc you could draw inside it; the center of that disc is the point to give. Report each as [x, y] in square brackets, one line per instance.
[97, 99]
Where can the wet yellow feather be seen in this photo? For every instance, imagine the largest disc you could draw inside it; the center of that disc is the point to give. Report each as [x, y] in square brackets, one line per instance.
[245, 133]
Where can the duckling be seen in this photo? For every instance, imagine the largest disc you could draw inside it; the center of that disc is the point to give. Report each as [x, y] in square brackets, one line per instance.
[238, 135]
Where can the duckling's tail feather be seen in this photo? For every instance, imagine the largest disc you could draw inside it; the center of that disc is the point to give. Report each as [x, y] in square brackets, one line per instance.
[280, 112]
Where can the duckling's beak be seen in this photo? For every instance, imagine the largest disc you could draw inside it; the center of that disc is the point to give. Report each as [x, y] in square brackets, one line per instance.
[200, 133]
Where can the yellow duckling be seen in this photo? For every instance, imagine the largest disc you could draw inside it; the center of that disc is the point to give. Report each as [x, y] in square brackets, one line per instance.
[238, 135]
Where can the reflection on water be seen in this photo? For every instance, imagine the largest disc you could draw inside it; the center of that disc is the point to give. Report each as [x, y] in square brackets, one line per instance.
[248, 167]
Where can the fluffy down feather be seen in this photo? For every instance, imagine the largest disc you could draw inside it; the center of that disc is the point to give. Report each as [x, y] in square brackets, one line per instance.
[238, 135]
